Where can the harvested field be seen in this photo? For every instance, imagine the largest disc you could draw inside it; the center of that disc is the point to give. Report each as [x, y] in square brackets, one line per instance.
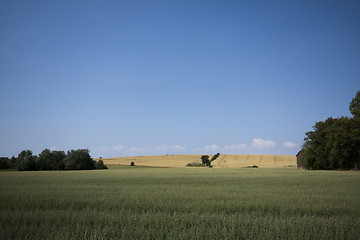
[224, 161]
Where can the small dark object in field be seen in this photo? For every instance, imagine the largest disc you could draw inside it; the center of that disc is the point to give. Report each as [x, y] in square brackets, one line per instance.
[195, 165]
[254, 166]
[132, 164]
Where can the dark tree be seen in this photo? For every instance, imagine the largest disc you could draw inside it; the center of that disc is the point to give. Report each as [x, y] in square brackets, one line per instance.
[44, 159]
[355, 105]
[334, 143]
[13, 162]
[78, 160]
[5, 163]
[25, 161]
[50, 160]
[58, 159]
[204, 159]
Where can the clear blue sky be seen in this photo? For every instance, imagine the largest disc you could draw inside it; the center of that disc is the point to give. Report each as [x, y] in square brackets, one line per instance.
[128, 78]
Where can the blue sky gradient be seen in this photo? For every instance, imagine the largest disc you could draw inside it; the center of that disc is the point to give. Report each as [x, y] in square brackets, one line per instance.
[173, 77]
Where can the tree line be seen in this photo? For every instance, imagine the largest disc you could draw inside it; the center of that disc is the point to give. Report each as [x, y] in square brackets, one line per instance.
[335, 142]
[52, 160]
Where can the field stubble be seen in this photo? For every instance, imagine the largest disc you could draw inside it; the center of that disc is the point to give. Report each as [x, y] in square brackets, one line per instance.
[167, 203]
[224, 161]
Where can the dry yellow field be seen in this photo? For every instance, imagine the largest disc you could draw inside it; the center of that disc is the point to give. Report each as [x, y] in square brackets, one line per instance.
[224, 161]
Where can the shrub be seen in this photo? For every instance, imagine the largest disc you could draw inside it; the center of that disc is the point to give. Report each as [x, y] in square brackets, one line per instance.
[100, 165]
[254, 166]
[195, 165]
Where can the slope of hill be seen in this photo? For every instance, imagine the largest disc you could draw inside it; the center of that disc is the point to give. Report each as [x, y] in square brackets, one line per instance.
[224, 161]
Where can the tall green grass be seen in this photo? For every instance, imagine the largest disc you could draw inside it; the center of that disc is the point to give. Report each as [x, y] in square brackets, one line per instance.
[166, 203]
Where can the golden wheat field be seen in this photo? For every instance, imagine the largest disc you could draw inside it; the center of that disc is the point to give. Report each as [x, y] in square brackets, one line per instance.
[224, 161]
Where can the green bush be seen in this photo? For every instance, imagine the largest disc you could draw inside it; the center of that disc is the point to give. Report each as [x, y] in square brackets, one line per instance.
[100, 165]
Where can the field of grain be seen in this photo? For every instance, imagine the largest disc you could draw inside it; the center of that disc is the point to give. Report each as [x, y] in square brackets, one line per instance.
[224, 161]
[126, 202]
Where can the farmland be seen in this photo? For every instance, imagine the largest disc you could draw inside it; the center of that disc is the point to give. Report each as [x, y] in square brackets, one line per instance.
[126, 202]
[224, 161]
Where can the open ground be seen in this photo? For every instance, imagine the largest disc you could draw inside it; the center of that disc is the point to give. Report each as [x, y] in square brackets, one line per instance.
[140, 202]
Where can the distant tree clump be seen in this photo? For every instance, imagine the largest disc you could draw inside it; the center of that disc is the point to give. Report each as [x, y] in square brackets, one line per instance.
[335, 142]
[26, 161]
[78, 160]
[52, 160]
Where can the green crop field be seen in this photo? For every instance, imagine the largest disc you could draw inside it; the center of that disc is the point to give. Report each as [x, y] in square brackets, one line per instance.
[180, 203]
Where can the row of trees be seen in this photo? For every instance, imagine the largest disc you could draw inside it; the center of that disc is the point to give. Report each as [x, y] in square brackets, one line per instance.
[52, 160]
[335, 142]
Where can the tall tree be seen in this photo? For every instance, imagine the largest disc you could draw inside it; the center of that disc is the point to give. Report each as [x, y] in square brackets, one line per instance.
[50, 160]
[58, 157]
[44, 161]
[334, 143]
[26, 161]
[355, 105]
